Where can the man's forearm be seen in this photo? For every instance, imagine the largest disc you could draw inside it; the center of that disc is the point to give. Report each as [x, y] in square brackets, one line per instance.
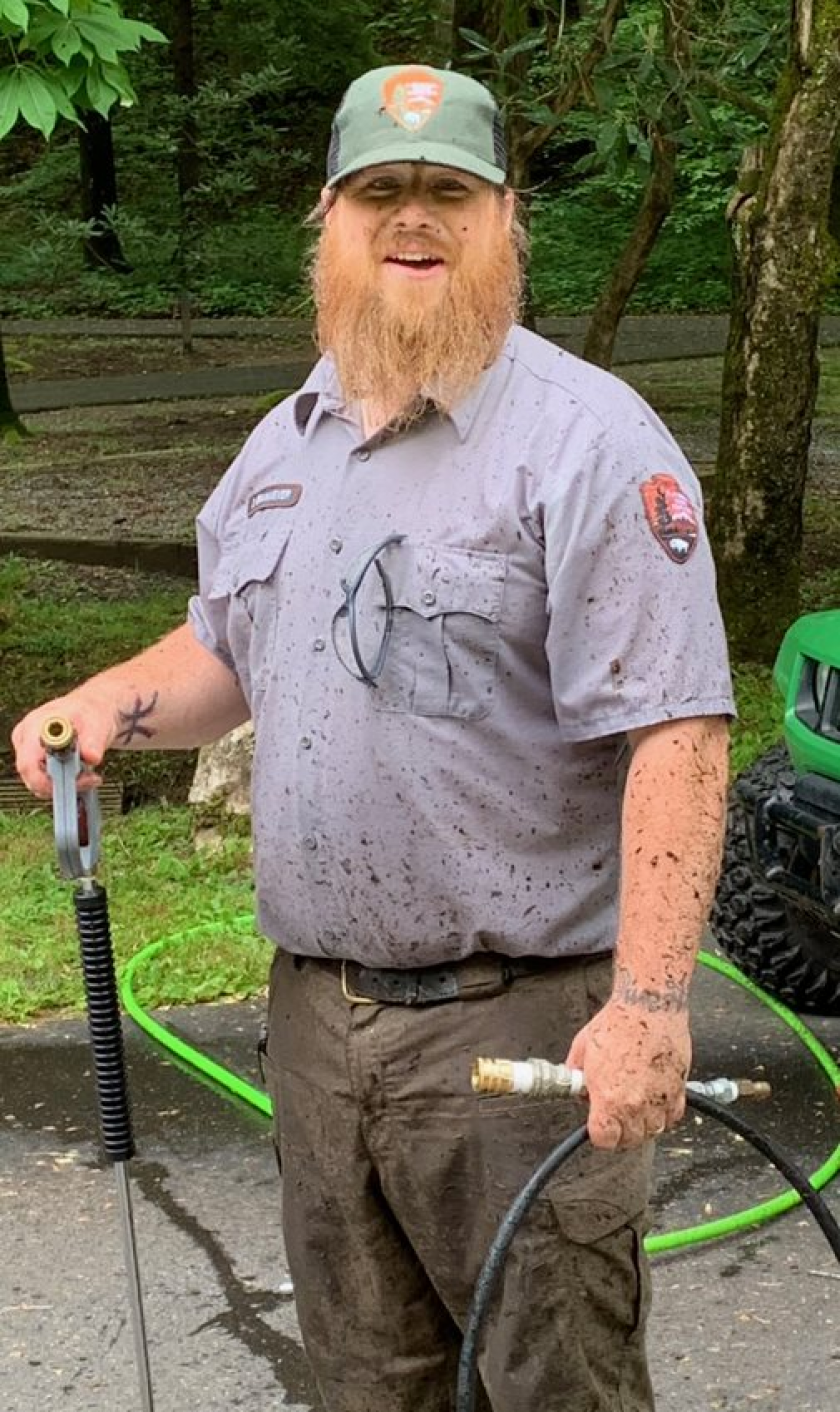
[672, 831]
[173, 696]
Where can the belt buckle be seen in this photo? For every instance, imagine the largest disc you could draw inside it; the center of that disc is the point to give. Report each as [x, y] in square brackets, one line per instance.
[350, 995]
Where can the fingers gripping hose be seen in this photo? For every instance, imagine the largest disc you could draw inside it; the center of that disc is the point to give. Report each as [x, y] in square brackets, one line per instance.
[104, 1021]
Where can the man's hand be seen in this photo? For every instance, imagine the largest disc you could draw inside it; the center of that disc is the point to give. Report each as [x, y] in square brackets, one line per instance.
[636, 1060]
[174, 696]
[92, 714]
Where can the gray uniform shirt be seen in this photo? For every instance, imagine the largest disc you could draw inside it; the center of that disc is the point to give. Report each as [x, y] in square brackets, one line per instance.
[552, 589]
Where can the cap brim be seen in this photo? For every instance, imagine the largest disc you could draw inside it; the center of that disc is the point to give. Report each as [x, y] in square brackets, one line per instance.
[435, 154]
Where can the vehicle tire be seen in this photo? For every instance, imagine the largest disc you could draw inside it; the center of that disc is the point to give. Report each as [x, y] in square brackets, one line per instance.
[785, 949]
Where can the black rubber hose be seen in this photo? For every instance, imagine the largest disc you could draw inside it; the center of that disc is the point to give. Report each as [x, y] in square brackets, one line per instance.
[104, 1021]
[492, 1267]
[797, 1179]
[491, 1270]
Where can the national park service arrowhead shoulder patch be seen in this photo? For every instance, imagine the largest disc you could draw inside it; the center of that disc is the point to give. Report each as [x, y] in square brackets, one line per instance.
[671, 516]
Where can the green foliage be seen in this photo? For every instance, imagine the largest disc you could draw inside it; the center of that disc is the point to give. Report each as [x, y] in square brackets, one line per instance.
[250, 265]
[759, 724]
[403, 32]
[267, 84]
[577, 236]
[158, 887]
[268, 79]
[63, 57]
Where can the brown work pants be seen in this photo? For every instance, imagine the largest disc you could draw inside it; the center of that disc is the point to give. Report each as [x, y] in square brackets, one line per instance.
[395, 1177]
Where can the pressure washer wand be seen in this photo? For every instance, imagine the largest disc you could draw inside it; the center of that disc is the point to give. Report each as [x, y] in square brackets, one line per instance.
[76, 822]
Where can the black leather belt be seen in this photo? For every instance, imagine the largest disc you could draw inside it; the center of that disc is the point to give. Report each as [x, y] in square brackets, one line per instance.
[472, 978]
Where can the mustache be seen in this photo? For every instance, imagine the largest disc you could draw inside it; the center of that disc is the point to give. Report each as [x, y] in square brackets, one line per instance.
[404, 244]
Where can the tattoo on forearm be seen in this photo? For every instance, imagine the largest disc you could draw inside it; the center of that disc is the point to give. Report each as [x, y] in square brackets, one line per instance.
[133, 719]
[673, 995]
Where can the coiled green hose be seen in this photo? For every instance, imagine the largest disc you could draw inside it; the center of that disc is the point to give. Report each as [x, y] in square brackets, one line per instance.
[656, 1244]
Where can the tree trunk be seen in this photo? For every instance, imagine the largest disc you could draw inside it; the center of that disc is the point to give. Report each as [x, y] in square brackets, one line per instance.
[783, 255]
[658, 198]
[183, 58]
[10, 423]
[444, 41]
[102, 249]
[602, 330]
[187, 159]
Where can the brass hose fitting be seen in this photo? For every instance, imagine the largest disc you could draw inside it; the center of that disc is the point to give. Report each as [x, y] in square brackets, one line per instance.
[57, 733]
[537, 1078]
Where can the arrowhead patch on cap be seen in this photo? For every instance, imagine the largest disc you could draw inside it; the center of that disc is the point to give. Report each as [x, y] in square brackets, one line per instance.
[411, 97]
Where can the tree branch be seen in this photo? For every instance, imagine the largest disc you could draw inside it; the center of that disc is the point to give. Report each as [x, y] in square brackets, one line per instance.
[731, 95]
[564, 101]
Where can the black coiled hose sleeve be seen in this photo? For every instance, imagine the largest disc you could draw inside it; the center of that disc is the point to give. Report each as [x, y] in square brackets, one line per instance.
[516, 1213]
[104, 1021]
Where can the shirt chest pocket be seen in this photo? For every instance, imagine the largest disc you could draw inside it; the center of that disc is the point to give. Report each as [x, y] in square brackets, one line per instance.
[247, 585]
[445, 632]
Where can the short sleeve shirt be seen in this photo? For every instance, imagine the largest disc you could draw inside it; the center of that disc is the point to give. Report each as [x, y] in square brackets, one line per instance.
[522, 582]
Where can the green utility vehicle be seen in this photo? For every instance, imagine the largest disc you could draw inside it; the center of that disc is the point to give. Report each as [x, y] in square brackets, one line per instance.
[777, 911]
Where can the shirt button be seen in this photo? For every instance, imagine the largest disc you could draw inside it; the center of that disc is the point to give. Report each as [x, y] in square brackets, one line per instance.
[363, 454]
[310, 842]
[336, 545]
[306, 742]
[429, 598]
[319, 644]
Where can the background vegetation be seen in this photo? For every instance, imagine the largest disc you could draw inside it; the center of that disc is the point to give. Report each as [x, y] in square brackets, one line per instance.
[263, 82]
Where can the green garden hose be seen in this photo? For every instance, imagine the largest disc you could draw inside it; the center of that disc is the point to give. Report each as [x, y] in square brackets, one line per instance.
[656, 1244]
[188, 1053]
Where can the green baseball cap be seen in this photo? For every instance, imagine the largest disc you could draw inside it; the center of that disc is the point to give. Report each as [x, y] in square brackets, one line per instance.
[411, 113]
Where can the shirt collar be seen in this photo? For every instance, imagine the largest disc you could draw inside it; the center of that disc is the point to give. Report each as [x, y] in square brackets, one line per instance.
[321, 395]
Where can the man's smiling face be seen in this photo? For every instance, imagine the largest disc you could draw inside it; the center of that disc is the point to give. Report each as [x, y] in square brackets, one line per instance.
[417, 280]
[417, 222]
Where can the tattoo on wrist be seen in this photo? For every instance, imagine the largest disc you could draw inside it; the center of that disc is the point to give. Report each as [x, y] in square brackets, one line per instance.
[672, 996]
[133, 721]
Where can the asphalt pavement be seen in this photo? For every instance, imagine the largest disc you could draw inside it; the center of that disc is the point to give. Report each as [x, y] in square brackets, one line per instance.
[750, 1322]
[645, 338]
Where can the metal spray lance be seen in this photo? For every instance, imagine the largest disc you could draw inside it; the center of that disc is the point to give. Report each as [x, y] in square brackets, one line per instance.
[77, 826]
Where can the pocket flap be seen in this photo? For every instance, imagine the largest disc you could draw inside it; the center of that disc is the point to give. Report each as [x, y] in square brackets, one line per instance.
[247, 561]
[605, 1191]
[431, 579]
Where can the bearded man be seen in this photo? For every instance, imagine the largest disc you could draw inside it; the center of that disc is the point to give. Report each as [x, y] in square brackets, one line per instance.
[461, 584]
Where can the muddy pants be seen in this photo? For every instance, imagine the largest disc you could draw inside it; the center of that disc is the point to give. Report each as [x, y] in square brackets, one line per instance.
[395, 1177]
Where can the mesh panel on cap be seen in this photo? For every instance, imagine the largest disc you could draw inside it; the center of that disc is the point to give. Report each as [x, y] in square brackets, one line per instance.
[333, 154]
[499, 144]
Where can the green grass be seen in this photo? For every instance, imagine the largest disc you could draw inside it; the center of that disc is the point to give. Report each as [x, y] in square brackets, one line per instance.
[158, 887]
[759, 723]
